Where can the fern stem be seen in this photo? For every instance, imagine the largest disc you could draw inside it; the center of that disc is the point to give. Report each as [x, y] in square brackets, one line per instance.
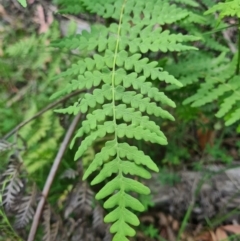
[114, 69]
[238, 62]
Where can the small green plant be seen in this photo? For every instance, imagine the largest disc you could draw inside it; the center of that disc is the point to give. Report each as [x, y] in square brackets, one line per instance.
[151, 231]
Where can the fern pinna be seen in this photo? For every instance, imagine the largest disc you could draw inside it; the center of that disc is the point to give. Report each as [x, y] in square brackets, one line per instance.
[124, 98]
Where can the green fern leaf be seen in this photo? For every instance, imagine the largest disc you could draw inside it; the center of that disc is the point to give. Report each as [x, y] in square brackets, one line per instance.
[123, 99]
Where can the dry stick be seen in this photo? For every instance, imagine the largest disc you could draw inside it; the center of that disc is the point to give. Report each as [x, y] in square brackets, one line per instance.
[50, 106]
[51, 177]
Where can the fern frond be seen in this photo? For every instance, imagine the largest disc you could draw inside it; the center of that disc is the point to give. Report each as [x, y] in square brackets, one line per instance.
[44, 125]
[47, 130]
[124, 99]
[197, 66]
[80, 200]
[25, 210]
[21, 48]
[12, 184]
[214, 86]
[225, 88]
